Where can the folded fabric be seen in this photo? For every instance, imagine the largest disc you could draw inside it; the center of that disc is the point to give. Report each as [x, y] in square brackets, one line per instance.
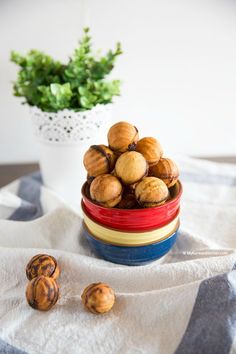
[185, 303]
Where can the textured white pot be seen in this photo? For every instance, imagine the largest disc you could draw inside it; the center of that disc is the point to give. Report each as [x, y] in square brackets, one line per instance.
[63, 138]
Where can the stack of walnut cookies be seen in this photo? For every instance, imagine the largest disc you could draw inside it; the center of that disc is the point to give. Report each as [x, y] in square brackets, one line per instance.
[130, 173]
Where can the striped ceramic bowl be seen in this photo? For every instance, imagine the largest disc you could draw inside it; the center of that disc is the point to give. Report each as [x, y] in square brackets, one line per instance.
[129, 238]
[142, 219]
[131, 255]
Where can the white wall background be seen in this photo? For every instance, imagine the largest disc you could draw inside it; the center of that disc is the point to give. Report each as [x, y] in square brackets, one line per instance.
[178, 67]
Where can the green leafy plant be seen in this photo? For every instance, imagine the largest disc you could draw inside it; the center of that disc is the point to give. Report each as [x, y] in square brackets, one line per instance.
[78, 85]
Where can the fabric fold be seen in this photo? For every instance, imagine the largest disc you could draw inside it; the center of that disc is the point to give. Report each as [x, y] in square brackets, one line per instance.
[184, 303]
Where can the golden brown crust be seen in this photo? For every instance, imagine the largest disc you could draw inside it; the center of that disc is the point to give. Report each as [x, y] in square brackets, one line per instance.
[151, 191]
[131, 167]
[106, 190]
[122, 137]
[166, 170]
[42, 293]
[42, 264]
[151, 149]
[99, 159]
[98, 298]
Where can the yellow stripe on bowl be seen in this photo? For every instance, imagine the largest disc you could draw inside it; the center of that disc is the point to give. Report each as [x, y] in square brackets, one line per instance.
[130, 238]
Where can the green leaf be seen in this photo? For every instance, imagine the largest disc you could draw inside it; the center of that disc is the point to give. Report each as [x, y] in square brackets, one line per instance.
[80, 84]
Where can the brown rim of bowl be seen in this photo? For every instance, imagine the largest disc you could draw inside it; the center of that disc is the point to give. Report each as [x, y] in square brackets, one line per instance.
[137, 245]
[169, 202]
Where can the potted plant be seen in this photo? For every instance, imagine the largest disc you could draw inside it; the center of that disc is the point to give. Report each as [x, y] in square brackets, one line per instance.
[70, 105]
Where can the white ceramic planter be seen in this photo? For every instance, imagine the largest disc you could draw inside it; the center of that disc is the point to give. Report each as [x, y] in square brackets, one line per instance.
[63, 138]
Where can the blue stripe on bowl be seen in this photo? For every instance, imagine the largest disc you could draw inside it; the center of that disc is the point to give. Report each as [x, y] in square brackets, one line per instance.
[132, 256]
